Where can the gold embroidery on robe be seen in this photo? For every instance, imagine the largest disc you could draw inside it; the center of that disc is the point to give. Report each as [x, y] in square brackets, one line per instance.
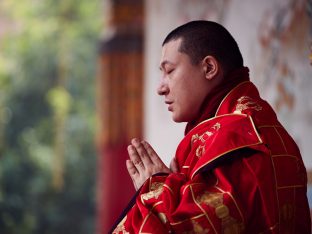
[156, 190]
[162, 218]
[229, 224]
[244, 103]
[217, 126]
[206, 134]
[197, 229]
[200, 150]
[211, 199]
[202, 138]
[121, 227]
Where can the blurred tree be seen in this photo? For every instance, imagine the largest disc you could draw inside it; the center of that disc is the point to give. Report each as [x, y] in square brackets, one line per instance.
[47, 116]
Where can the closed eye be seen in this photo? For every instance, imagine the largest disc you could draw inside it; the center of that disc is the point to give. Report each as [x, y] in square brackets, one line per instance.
[169, 71]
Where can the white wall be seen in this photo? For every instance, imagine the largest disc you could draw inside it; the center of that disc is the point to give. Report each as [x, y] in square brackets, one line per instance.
[279, 65]
[160, 130]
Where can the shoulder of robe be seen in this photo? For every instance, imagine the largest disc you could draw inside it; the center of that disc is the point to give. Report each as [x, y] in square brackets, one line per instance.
[218, 136]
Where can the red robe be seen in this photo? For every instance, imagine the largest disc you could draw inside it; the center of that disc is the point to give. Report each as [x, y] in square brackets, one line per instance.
[239, 172]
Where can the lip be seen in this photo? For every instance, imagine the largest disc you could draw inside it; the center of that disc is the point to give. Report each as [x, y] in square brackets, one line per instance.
[169, 103]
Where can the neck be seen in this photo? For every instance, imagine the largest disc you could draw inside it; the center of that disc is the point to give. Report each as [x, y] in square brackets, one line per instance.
[214, 98]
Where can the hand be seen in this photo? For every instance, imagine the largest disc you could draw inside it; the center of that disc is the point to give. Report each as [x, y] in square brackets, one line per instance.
[174, 166]
[143, 163]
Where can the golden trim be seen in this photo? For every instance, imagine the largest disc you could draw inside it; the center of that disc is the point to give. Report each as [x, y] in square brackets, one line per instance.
[215, 117]
[185, 189]
[229, 93]
[187, 186]
[203, 210]
[255, 129]
[185, 220]
[276, 192]
[281, 139]
[227, 192]
[149, 214]
[291, 186]
[218, 156]
[185, 167]
[194, 173]
[166, 186]
[284, 155]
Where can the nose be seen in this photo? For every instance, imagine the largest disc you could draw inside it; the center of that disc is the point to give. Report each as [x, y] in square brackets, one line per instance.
[163, 88]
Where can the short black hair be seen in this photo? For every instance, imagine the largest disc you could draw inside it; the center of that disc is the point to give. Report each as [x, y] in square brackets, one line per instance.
[201, 38]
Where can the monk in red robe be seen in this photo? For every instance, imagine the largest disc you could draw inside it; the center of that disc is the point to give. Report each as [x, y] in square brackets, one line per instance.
[237, 170]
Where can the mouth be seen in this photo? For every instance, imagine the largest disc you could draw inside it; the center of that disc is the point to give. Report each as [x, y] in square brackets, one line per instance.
[169, 103]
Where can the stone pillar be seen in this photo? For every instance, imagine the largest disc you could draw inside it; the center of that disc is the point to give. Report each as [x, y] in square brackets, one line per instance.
[119, 107]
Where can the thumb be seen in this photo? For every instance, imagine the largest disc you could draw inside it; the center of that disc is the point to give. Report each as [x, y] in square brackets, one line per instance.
[174, 165]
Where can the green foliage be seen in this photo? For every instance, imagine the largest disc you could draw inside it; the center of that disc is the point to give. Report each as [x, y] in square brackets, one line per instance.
[47, 69]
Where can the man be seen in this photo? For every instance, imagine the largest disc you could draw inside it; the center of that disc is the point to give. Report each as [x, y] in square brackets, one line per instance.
[237, 170]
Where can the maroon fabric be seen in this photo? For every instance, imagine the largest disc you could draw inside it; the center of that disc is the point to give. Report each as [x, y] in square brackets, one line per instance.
[213, 99]
[114, 186]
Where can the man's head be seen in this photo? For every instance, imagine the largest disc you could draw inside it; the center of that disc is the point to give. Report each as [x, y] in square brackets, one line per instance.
[195, 59]
[201, 38]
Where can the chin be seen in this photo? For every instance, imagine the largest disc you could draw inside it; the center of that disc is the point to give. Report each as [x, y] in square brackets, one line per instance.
[179, 119]
[176, 119]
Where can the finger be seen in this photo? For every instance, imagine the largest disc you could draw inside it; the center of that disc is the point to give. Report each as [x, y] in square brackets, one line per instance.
[152, 154]
[174, 165]
[132, 172]
[135, 157]
[131, 168]
[139, 146]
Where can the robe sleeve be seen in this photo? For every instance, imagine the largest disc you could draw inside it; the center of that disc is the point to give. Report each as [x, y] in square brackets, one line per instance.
[173, 204]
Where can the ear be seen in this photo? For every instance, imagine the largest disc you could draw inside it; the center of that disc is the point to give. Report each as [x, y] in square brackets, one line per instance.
[211, 67]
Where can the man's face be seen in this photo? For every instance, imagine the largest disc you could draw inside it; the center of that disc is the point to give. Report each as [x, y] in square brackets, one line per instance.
[183, 84]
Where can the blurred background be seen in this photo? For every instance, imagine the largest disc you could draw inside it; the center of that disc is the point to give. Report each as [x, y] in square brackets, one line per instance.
[78, 80]
[48, 54]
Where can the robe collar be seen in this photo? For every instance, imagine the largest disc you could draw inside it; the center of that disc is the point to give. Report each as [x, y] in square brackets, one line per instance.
[214, 98]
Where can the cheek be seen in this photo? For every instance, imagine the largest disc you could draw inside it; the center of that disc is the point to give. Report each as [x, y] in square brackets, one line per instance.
[187, 103]
[183, 92]
[192, 101]
[182, 84]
